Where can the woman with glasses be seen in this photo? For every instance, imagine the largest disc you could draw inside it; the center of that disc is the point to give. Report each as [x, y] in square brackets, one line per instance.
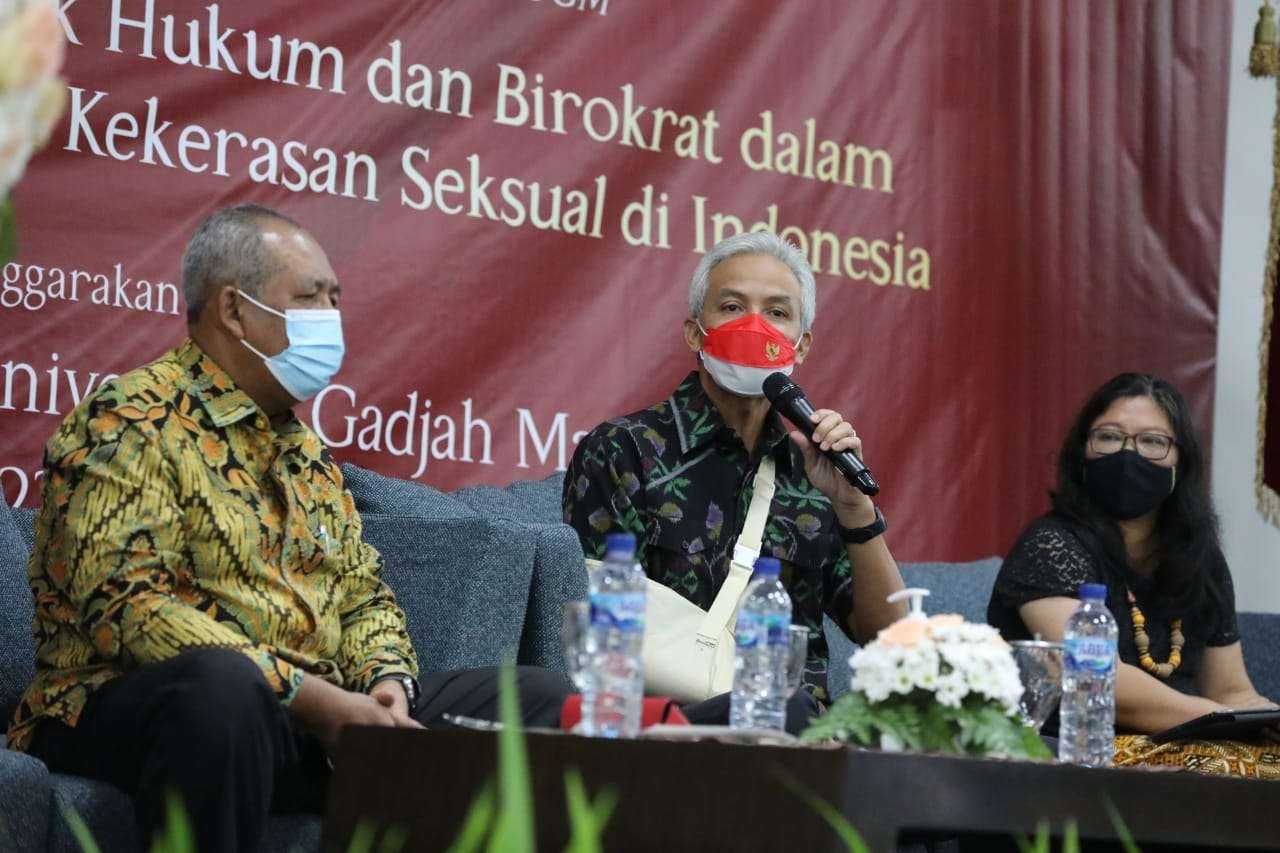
[1132, 510]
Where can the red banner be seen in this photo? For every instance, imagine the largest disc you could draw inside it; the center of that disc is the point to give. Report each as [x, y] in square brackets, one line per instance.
[1005, 204]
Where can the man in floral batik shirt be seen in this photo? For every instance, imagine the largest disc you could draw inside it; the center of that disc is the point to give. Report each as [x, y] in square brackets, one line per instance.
[679, 474]
[207, 616]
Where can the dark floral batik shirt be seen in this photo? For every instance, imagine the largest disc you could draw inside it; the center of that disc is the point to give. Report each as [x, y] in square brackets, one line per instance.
[679, 478]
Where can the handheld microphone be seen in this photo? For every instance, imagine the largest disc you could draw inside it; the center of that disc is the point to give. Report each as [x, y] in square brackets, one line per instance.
[788, 398]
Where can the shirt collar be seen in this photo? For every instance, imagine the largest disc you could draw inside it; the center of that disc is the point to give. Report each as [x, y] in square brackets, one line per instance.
[699, 422]
[225, 401]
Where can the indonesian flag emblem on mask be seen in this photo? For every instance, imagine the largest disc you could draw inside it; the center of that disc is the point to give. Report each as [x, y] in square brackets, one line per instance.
[741, 353]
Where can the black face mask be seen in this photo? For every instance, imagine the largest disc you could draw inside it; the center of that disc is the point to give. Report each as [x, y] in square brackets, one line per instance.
[1126, 485]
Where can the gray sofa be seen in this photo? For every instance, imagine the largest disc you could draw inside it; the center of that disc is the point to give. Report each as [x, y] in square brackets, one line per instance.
[480, 572]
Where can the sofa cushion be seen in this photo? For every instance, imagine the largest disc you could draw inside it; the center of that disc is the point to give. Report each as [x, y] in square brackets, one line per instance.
[1260, 639]
[839, 649]
[24, 518]
[963, 588]
[543, 499]
[105, 809]
[528, 501]
[108, 813]
[26, 801]
[463, 583]
[392, 496]
[16, 610]
[559, 574]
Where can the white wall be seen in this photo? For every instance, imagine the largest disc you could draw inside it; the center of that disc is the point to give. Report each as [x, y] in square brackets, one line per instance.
[1252, 545]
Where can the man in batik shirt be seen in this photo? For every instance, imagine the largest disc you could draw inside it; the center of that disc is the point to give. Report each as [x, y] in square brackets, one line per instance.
[207, 617]
[679, 475]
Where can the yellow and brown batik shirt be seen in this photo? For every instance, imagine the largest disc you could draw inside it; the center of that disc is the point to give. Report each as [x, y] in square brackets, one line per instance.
[176, 516]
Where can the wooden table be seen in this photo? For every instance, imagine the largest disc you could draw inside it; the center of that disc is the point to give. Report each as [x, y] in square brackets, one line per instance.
[714, 796]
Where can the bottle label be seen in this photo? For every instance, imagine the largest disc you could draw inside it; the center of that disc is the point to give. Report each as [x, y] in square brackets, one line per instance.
[754, 628]
[623, 611]
[776, 630]
[747, 634]
[1090, 654]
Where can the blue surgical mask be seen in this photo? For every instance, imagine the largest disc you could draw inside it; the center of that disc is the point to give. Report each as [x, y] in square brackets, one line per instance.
[314, 353]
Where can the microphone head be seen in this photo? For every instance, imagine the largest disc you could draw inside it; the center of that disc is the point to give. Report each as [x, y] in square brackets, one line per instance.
[779, 387]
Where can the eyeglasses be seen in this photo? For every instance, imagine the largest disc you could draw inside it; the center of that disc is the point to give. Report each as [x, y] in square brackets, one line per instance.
[1150, 445]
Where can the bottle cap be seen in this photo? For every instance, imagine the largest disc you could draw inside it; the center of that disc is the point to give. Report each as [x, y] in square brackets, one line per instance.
[769, 567]
[1093, 592]
[624, 543]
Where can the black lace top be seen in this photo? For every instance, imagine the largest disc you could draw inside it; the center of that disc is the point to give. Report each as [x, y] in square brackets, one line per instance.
[1050, 560]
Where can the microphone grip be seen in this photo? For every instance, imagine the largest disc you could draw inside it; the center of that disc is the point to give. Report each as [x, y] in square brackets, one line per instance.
[800, 413]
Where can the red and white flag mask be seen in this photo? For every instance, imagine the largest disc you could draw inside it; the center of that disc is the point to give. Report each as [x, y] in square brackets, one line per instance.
[741, 353]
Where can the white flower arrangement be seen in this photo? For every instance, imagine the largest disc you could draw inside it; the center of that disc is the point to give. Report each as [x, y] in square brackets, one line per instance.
[32, 96]
[937, 685]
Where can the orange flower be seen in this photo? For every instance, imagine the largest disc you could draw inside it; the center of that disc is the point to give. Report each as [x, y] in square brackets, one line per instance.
[32, 47]
[904, 632]
[946, 620]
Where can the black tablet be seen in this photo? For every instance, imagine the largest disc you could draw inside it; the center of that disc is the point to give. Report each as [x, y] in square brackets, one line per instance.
[1221, 725]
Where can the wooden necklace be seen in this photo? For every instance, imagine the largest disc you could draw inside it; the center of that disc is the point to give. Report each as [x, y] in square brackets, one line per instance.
[1143, 642]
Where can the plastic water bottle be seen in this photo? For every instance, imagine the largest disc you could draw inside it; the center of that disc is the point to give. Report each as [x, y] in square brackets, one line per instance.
[611, 706]
[759, 698]
[1087, 727]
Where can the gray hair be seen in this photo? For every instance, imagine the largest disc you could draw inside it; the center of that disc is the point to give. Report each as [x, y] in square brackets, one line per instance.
[756, 243]
[227, 249]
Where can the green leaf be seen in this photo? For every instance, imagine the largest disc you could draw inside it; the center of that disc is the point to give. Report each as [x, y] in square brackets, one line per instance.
[1035, 748]
[79, 830]
[900, 720]
[176, 836]
[938, 728]
[1042, 842]
[513, 831]
[361, 838]
[586, 819]
[475, 826]
[1070, 837]
[8, 230]
[848, 834]
[393, 839]
[848, 719]
[1121, 828]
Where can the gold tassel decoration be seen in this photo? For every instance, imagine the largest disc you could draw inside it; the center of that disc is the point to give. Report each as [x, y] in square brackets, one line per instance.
[1268, 497]
[1262, 56]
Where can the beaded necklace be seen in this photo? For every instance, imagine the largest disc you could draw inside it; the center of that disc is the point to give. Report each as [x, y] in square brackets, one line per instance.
[1143, 642]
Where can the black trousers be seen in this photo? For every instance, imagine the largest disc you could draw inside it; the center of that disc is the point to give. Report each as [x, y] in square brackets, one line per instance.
[206, 726]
